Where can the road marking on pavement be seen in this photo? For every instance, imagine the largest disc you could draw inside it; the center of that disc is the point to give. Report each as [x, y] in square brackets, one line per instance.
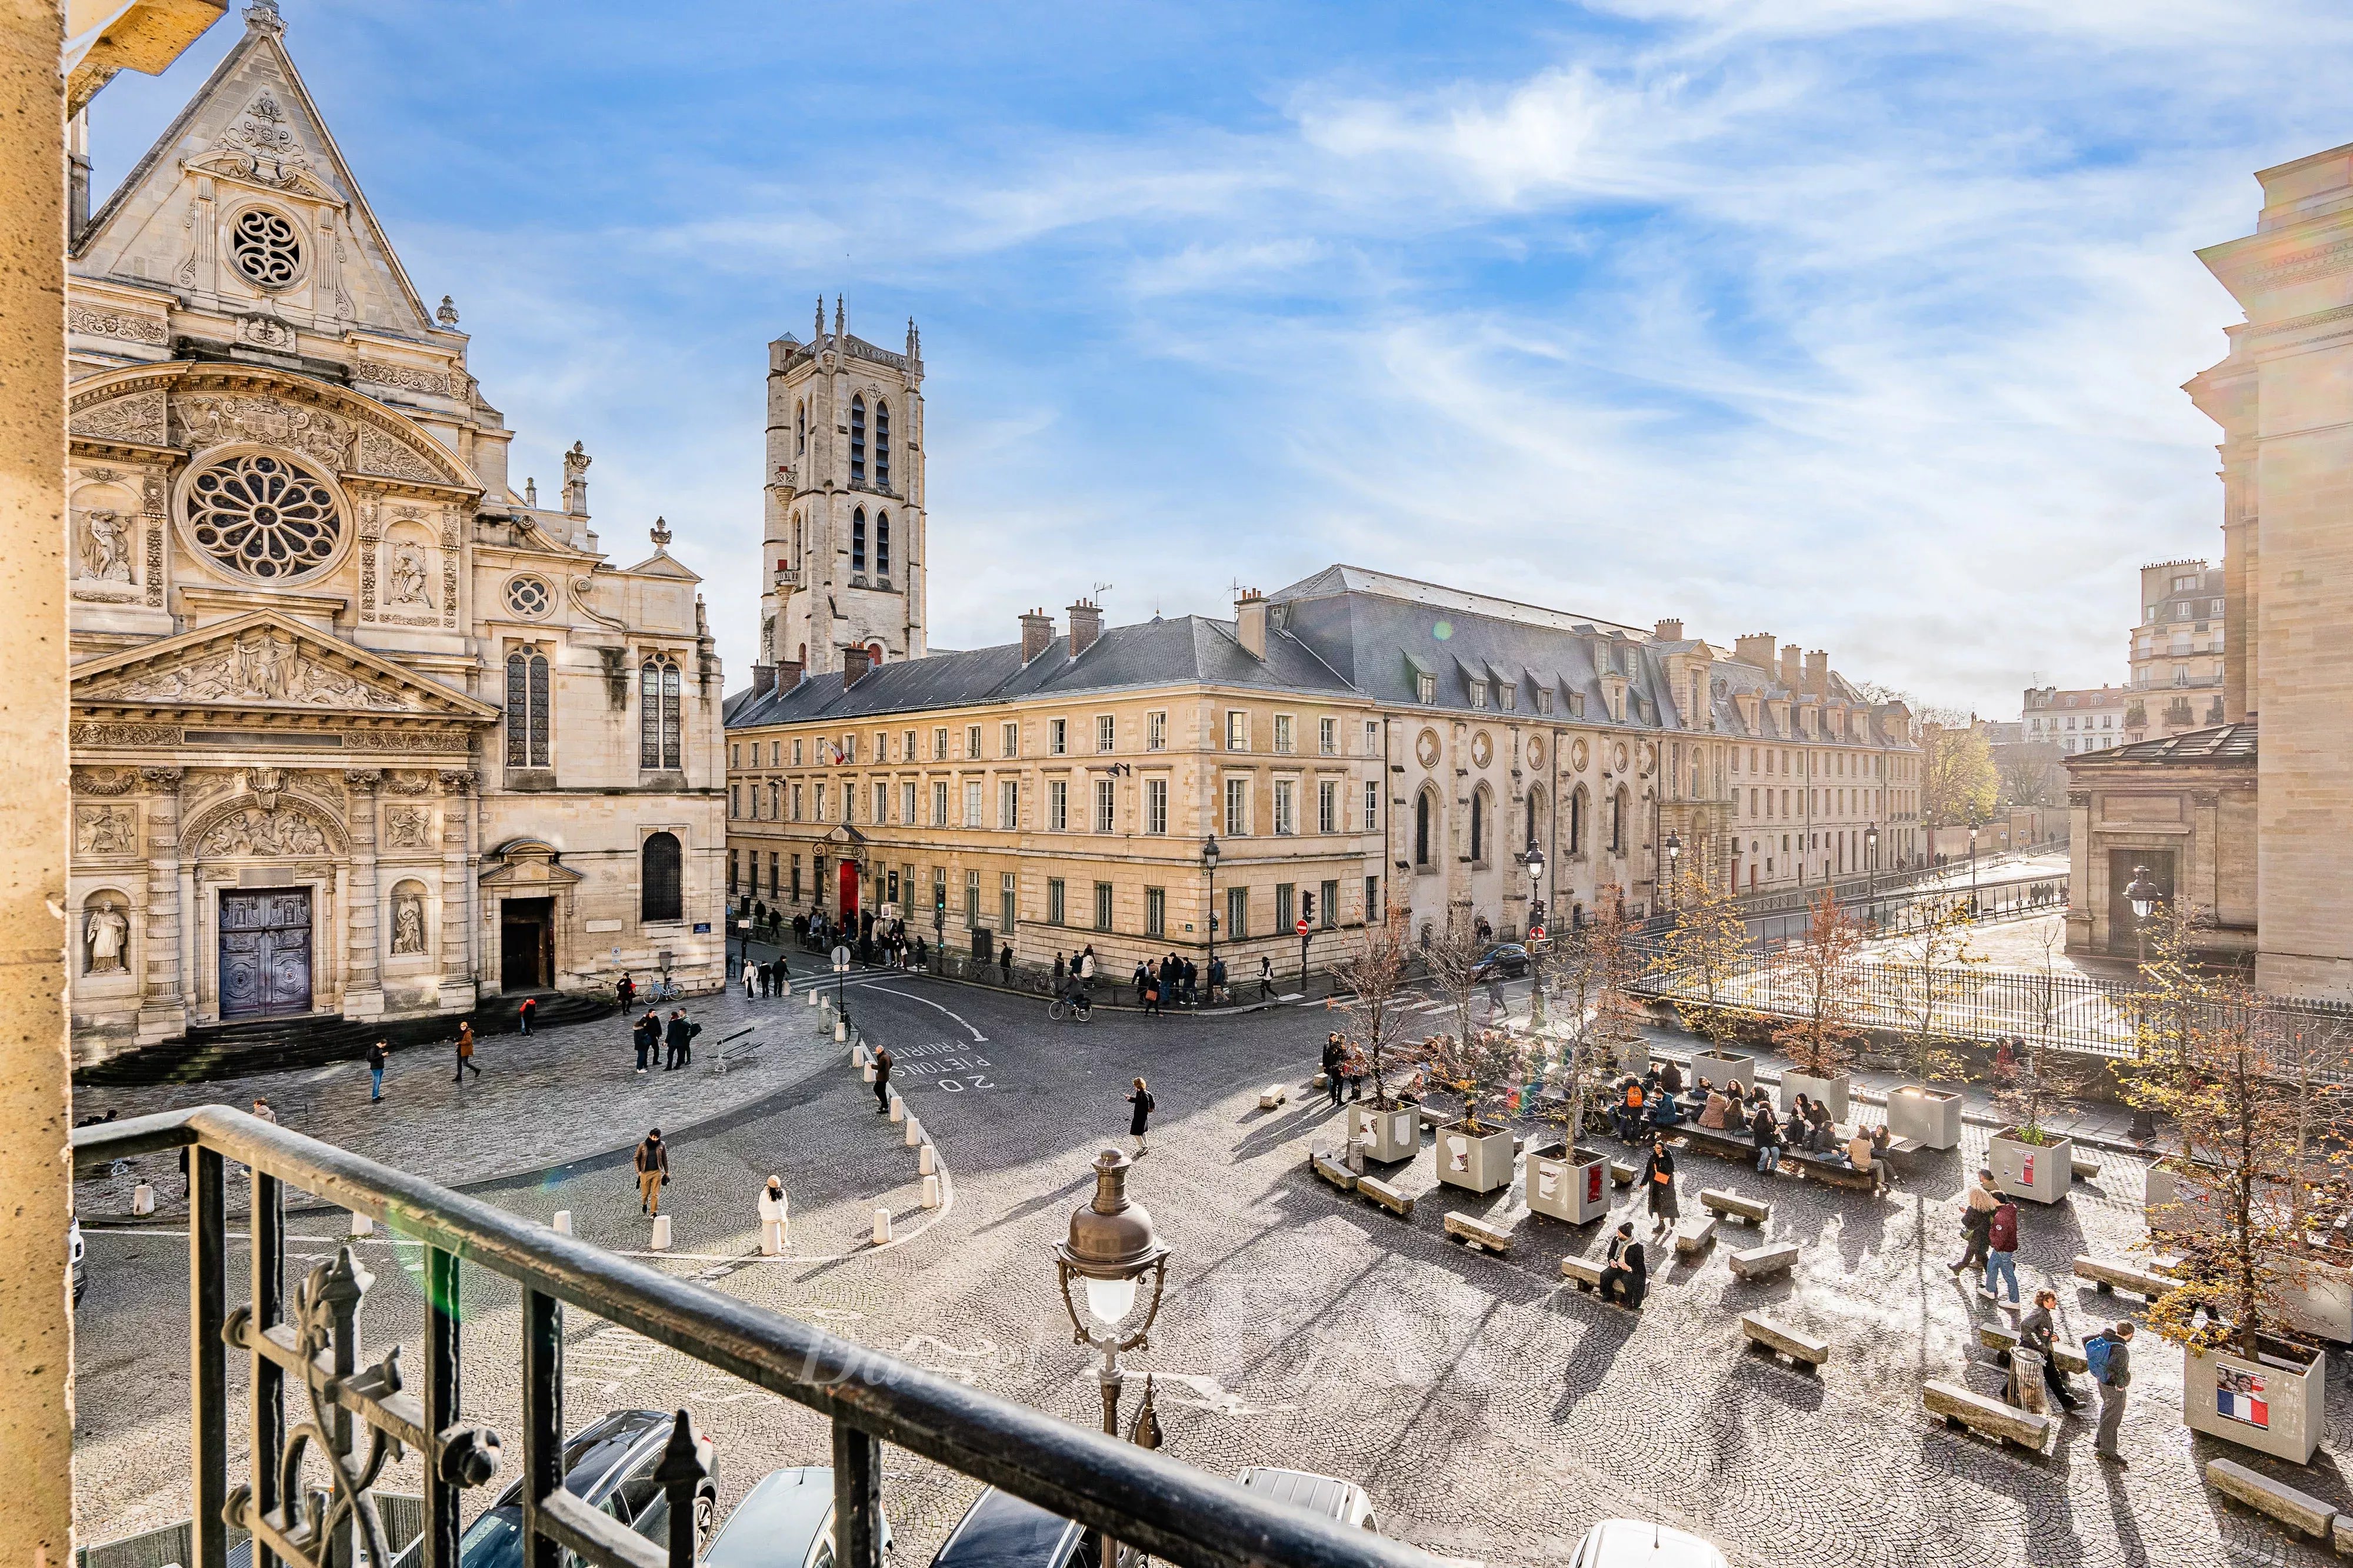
[978, 1037]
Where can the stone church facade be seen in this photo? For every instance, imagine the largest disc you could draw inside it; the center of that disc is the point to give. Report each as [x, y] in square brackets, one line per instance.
[358, 729]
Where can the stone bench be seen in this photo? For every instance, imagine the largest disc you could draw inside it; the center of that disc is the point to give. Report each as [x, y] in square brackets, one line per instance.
[2086, 1170]
[1372, 1189]
[1961, 1407]
[2297, 1509]
[1902, 1151]
[1803, 1348]
[1725, 1145]
[2106, 1274]
[1331, 1170]
[1475, 1232]
[1763, 1262]
[1994, 1337]
[1586, 1271]
[1432, 1116]
[1272, 1095]
[1736, 1206]
[1694, 1237]
[1823, 1168]
[1622, 1173]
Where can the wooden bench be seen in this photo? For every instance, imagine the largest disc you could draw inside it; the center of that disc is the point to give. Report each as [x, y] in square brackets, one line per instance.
[1725, 1145]
[1372, 1189]
[1823, 1168]
[2086, 1170]
[1803, 1348]
[1736, 1206]
[1763, 1262]
[1272, 1095]
[2297, 1509]
[1694, 1237]
[1994, 1337]
[2006, 1423]
[1473, 1231]
[1331, 1170]
[2106, 1274]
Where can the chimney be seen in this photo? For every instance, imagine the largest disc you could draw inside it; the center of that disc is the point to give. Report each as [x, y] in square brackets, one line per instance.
[1818, 672]
[1250, 623]
[1086, 626]
[1791, 673]
[764, 680]
[1667, 631]
[789, 676]
[1036, 634]
[1756, 648]
[853, 667]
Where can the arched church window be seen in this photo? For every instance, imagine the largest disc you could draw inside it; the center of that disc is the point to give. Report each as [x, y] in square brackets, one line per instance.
[858, 440]
[857, 539]
[657, 719]
[1478, 825]
[800, 428]
[883, 543]
[882, 444]
[526, 709]
[1422, 829]
[659, 897]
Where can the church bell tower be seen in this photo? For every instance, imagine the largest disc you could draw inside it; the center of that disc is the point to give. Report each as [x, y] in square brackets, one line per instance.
[843, 560]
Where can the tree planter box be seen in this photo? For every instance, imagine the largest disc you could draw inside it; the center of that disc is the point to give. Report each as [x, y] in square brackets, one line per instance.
[1933, 1116]
[1830, 1091]
[1574, 1188]
[1390, 1135]
[2321, 1306]
[2275, 1405]
[2038, 1172]
[1730, 1067]
[1481, 1162]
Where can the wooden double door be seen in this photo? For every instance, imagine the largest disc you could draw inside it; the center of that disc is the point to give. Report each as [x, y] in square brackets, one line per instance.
[265, 952]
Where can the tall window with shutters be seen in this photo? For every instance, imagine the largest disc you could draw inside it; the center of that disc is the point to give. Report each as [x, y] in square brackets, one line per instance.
[858, 440]
[857, 539]
[658, 716]
[882, 544]
[526, 709]
[883, 453]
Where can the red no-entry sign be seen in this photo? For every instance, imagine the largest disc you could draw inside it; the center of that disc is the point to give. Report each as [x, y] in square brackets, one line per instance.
[1299, 927]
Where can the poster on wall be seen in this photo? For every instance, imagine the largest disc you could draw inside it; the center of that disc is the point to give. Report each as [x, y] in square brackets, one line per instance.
[2239, 1395]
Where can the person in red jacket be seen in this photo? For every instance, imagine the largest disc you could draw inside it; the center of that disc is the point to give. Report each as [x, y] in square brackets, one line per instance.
[2001, 1247]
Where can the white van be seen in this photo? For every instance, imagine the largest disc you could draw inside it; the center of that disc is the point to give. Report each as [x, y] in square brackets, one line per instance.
[1332, 1499]
[1639, 1543]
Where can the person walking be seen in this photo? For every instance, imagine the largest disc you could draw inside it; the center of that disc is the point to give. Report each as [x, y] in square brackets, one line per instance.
[465, 1053]
[1332, 1068]
[2037, 1333]
[524, 1014]
[376, 1059]
[625, 992]
[882, 1060]
[751, 978]
[648, 1035]
[1625, 1274]
[1059, 970]
[1659, 1180]
[1003, 961]
[1140, 1119]
[680, 1039]
[653, 1172]
[2001, 1248]
[1975, 1217]
[1265, 977]
[1137, 980]
[776, 1213]
[1151, 992]
[2110, 1355]
[262, 1111]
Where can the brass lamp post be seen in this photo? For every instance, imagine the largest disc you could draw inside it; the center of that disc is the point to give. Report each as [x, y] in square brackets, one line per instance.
[1111, 1248]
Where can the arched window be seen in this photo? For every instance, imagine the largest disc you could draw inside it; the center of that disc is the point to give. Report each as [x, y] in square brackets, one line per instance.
[882, 542]
[1576, 821]
[797, 545]
[526, 709]
[857, 539]
[1536, 817]
[858, 440]
[881, 445]
[800, 428]
[1422, 829]
[657, 721]
[1618, 821]
[1478, 825]
[659, 895]
[873, 655]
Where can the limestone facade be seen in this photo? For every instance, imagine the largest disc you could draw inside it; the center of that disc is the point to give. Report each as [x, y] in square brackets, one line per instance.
[2177, 651]
[358, 728]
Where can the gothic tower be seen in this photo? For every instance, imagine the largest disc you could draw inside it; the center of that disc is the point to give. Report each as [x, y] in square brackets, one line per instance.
[842, 565]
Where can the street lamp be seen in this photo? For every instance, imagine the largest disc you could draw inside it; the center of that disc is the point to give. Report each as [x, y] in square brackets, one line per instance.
[1111, 1248]
[1674, 858]
[2143, 895]
[1870, 860]
[1534, 860]
[1973, 866]
[1210, 869]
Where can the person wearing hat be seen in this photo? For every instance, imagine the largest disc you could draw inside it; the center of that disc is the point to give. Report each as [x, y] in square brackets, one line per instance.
[1626, 1277]
[776, 1213]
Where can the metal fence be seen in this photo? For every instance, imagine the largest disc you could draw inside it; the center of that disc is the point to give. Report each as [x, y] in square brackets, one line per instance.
[308, 1342]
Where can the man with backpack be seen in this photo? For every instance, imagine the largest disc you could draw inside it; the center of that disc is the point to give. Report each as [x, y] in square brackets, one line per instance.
[2109, 1356]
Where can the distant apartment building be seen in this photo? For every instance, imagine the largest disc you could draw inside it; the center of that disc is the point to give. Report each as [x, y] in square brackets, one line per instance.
[2088, 719]
[2177, 648]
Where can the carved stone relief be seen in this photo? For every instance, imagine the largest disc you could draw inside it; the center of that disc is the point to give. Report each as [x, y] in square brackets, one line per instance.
[106, 830]
[115, 324]
[386, 375]
[408, 784]
[264, 666]
[254, 831]
[210, 419]
[134, 416]
[380, 453]
[105, 781]
[407, 827]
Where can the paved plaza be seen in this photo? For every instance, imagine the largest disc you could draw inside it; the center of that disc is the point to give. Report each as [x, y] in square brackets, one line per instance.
[1491, 1410]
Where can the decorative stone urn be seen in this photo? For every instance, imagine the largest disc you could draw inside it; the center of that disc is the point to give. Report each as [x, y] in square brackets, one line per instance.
[1932, 1116]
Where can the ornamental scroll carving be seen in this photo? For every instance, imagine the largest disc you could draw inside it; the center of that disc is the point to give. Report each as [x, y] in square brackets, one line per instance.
[380, 453]
[105, 781]
[386, 375]
[214, 419]
[111, 324]
[134, 416]
[86, 734]
[262, 666]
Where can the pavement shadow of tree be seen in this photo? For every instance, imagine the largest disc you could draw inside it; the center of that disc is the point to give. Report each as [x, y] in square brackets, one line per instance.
[2034, 1486]
[1024, 1209]
[1270, 1129]
[1607, 1330]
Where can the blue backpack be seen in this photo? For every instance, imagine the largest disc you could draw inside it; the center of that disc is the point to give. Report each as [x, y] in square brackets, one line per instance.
[2095, 1356]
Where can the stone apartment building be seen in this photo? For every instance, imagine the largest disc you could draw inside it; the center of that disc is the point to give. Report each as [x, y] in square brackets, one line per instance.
[357, 727]
[2086, 719]
[1355, 742]
[2177, 648]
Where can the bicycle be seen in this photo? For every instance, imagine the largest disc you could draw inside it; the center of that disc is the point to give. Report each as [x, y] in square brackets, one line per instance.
[1083, 1008]
[662, 988]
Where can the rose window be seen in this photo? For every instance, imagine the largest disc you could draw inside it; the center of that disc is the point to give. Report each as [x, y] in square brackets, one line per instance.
[262, 515]
[528, 597]
[265, 248]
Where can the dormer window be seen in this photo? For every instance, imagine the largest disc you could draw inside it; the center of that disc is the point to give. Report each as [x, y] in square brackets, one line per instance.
[1478, 694]
[1425, 689]
[1544, 699]
[1507, 697]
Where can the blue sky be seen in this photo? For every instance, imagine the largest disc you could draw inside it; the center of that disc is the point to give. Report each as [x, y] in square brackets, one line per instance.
[1858, 322]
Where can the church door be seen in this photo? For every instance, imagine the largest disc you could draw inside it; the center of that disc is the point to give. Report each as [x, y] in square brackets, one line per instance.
[848, 893]
[265, 952]
[526, 943]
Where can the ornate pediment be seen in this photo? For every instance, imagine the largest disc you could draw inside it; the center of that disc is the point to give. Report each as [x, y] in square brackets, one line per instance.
[267, 661]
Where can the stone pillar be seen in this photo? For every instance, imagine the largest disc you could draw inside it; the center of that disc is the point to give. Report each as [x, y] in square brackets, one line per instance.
[462, 970]
[364, 963]
[163, 991]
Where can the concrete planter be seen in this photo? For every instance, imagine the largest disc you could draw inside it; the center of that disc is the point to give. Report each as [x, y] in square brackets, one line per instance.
[1931, 1115]
[2042, 1172]
[1480, 1161]
[1574, 1188]
[1389, 1135]
[2321, 1306]
[2275, 1405]
[1830, 1091]
[1730, 1067]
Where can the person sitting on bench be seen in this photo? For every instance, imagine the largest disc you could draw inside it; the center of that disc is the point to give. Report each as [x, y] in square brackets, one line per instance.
[1713, 1117]
[1625, 1277]
[1664, 1111]
[1670, 1078]
[1630, 1109]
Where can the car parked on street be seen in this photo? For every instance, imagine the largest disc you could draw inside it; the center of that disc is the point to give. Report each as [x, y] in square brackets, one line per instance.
[1000, 1531]
[1639, 1543]
[74, 1246]
[785, 1521]
[1327, 1497]
[1507, 960]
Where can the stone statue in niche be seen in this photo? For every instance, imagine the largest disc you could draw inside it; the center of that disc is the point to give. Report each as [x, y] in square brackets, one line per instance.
[408, 576]
[105, 545]
[407, 924]
[106, 933]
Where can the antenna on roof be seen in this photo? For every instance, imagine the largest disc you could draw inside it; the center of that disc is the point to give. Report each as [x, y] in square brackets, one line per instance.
[1099, 590]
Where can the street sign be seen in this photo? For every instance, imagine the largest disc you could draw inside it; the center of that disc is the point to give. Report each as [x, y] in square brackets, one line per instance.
[841, 957]
[1535, 933]
[1299, 927]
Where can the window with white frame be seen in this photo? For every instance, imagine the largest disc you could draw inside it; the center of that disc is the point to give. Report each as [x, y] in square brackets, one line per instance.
[796, 803]
[1107, 732]
[1237, 730]
[1478, 694]
[1372, 805]
[907, 804]
[1008, 739]
[971, 743]
[796, 751]
[1544, 699]
[1236, 808]
[1058, 805]
[1156, 731]
[1425, 689]
[1058, 737]
[1283, 734]
[972, 805]
[1008, 900]
[1327, 805]
[1105, 803]
[1286, 807]
[1008, 804]
[881, 802]
[1327, 736]
[939, 803]
[907, 746]
[939, 744]
[1372, 738]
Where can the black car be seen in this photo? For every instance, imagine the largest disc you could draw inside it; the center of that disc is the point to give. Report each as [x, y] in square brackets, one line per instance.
[1508, 961]
[1000, 1531]
[610, 1465]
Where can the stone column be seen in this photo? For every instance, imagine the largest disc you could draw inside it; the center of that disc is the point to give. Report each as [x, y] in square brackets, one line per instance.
[163, 991]
[461, 974]
[364, 963]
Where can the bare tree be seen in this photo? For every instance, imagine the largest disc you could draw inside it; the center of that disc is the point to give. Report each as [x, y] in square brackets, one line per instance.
[1453, 957]
[1822, 974]
[1704, 951]
[1938, 969]
[1376, 977]
[1597, 1012]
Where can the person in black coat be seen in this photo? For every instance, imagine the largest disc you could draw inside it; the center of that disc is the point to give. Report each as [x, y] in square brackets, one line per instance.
[1140, 1119]
[648, 1035]
[682, 1039]
[1333, 1052]
[1659, 1181]
[1626, 1277]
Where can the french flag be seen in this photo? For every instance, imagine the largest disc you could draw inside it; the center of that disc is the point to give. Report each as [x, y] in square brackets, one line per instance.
[2245, 1408]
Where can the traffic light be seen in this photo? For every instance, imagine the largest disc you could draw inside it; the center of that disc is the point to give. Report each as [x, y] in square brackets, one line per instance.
[939, 898]
[1307, 907]
[1536, 914]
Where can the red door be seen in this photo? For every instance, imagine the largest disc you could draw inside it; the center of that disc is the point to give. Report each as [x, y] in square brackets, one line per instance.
[848, 893]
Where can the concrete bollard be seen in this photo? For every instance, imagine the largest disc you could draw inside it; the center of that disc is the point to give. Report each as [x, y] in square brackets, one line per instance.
[815, 998]
[882, 1227]
[931, 1192]
[858, 1055]
[562, 1221]
[927, 1160]
[784, 987]
[662, 1233]
[915, 1134]
[898, 1107]
[361, 1224]
[841, 1030]
[142, 1199]
[867, 1072]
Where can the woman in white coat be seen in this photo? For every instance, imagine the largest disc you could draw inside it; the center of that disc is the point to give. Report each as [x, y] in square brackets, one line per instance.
[775, 1217]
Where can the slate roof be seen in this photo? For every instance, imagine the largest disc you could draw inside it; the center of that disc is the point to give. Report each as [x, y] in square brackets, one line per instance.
[2231, 745]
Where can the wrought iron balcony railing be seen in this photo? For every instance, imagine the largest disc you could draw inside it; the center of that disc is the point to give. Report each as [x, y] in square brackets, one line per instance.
[359, 1416]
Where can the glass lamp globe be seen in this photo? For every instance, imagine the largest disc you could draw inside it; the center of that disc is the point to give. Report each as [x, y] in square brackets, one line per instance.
[1109, 1302]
